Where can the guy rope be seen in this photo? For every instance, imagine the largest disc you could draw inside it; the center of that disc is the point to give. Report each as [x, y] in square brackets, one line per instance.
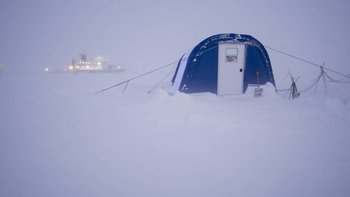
[133, 78]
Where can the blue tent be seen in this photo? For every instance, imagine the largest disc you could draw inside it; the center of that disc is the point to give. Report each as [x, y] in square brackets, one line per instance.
[199, 69]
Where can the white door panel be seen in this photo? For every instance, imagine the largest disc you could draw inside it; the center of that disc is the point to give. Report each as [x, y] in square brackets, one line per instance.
[231, 60]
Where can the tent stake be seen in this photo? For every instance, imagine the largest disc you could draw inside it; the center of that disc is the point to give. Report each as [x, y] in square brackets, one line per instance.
[126, 85]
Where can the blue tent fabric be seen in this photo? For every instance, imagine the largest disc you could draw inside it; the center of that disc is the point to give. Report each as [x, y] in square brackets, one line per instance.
[201, 72]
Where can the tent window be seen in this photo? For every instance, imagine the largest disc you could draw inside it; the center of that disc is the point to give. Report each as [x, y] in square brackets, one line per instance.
[231, 54]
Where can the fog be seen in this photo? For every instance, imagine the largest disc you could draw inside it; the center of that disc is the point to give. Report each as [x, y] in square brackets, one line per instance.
[147, 34]
[57, 138]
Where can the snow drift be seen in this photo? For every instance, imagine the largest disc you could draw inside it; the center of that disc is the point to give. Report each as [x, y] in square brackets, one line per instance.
[59, 139]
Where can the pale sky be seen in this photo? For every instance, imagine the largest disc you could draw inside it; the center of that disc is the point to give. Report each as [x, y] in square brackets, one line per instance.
[153, 33]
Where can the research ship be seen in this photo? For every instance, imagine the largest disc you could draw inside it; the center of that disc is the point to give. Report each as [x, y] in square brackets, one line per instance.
[99, 64]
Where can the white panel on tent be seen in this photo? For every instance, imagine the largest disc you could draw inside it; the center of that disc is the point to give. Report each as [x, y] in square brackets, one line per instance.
[180, 72]
[231, 65]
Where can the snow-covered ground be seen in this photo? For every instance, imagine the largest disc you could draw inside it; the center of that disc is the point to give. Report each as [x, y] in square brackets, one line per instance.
[57, 138]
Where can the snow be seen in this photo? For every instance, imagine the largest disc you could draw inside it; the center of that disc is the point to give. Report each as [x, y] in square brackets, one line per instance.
[57, 138]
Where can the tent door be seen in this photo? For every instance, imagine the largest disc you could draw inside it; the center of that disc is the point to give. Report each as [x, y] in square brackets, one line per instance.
[231, 65]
